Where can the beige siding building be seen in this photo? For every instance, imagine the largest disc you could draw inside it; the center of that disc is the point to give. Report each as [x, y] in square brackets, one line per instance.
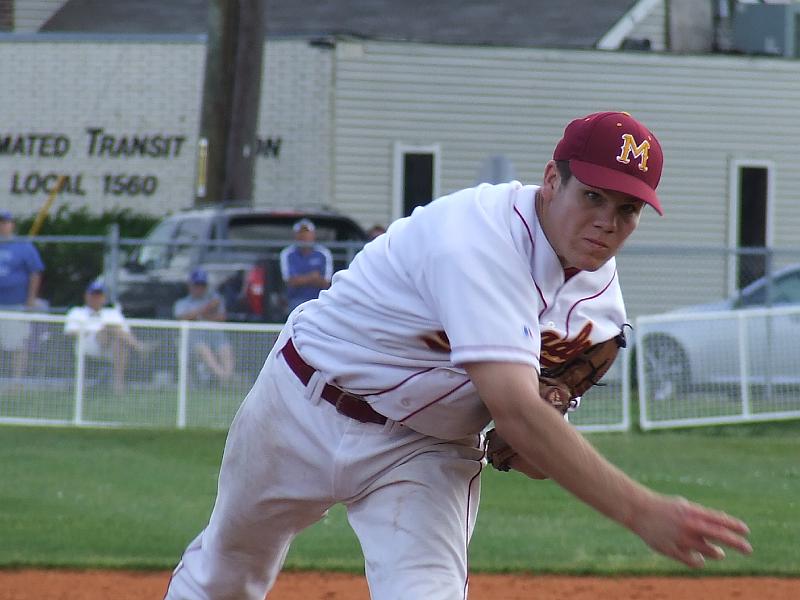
[713, 114]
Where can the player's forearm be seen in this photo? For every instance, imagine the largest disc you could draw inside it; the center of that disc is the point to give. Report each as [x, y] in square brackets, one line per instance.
[34, 283]
[542, 437]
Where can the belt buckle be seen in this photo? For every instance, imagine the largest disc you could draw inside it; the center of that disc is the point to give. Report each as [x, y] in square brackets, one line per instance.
[339, 399]
[353, 414]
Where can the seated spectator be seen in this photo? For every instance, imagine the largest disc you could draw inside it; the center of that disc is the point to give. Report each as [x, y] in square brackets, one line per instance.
[212, 346]
[108, 337]
[306, 267]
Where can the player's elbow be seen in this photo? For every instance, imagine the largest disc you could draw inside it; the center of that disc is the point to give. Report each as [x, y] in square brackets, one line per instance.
[507, 389]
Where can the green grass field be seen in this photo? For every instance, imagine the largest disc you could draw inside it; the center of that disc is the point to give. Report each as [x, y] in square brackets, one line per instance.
[134, 498]
[207, 407]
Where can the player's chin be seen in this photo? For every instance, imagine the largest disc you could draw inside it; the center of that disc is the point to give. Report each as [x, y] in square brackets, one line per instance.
[589, 256]
[591, 261]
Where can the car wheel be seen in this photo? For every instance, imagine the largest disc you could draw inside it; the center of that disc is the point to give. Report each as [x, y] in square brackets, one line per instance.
[666, 368]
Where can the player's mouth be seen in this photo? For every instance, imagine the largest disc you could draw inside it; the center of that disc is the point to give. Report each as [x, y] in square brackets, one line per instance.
[597, 244]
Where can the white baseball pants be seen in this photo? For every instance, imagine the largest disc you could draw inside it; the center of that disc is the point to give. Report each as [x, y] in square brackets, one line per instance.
[411, 499]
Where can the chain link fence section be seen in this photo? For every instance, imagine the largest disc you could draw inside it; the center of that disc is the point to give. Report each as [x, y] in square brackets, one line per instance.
[164, 382]
[606, 406]
[48, 377]
[716, 367]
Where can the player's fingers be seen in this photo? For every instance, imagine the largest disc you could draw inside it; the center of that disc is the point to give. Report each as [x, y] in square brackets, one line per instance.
[719, 518]
[720, 528]
[709, 550]
[720, 534]
[689, 557]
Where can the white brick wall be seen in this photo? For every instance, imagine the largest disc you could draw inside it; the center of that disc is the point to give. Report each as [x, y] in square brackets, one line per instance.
[296, 106]
[152, 88]
[126, 89]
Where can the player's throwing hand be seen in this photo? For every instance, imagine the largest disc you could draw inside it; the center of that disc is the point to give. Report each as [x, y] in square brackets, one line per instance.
[688, 532]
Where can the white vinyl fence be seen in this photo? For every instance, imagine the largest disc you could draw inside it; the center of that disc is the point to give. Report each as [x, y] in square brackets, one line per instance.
[706, 368]
[606, 407]
[166, 385]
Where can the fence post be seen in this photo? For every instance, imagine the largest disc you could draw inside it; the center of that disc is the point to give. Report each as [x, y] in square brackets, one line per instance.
[744, 361]
[183, 372]
[768, 260]
[626, 389]
[80, 368]
[111, 261]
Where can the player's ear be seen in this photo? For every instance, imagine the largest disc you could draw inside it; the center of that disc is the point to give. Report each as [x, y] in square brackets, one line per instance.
[550, 181]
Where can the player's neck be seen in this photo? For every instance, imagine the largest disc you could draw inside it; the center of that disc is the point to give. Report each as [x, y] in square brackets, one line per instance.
[542, 218]
[569, 271]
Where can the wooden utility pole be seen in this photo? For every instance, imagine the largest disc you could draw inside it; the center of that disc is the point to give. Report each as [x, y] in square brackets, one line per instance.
[231, 96]
[6, 15]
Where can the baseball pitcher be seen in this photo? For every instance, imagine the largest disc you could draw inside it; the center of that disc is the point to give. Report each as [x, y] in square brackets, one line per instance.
[495, 304]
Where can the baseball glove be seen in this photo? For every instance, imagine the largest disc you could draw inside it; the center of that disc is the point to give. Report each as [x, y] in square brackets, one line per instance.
[561, 387]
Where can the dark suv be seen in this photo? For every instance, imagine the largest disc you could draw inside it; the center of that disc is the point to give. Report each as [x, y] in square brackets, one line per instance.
[238, 247]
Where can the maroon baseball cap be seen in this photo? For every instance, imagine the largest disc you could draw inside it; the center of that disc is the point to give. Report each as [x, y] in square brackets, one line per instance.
[614, 151]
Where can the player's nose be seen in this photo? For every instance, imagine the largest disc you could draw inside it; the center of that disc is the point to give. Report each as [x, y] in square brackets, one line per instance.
[606, 219]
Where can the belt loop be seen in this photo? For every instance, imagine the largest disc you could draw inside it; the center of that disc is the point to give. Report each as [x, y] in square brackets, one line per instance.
[391, 426]
[314, 388]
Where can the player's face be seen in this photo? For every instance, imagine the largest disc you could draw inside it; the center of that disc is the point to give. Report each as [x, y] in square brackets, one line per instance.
[585, 225]
[6, 228]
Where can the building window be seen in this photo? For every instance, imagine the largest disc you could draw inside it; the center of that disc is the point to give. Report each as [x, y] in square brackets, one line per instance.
[751, 226]
[416, 177]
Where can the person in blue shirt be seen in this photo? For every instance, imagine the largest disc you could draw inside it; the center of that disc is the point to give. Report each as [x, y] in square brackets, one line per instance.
[20, 279]
[306, 267]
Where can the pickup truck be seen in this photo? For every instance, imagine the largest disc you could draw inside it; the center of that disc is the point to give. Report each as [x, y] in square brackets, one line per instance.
[238, 247]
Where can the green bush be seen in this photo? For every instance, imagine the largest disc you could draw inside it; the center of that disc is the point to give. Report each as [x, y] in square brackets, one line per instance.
[70, 266]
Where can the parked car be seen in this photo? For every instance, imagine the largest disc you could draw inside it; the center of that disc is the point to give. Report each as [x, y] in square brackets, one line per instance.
[238, 247]
[704, 346]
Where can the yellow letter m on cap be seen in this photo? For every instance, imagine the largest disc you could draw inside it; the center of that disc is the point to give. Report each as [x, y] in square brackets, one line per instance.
[629, 147]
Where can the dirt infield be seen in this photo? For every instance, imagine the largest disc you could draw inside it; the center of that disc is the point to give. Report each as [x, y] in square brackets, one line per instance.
[120, 585]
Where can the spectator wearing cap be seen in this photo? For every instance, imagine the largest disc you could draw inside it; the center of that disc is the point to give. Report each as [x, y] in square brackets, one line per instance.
[107, 335]
[20, 279]
[211, 346]
[306, 267]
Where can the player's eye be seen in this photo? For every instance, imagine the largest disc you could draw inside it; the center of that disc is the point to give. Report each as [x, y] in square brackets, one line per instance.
[630, 209]
[593, 196]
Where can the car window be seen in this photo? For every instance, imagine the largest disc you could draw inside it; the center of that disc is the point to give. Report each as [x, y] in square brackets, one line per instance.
[154, 252]
[753, 297]
[246, 230]
[787, 289]
[279, 228]
[187, 242]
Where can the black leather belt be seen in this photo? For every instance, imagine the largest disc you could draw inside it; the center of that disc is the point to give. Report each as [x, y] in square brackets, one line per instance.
[349, 405]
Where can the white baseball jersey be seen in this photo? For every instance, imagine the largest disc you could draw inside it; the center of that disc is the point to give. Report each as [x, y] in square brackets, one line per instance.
[471, 277]
[91, 322]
